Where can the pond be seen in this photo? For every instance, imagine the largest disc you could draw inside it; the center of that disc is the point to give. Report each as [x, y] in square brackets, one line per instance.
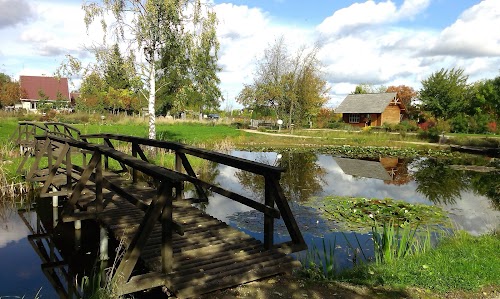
[468, 190]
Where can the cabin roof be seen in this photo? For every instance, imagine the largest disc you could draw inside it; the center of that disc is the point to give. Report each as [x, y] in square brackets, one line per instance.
[50, 86]
[363, 168]
[366, 103]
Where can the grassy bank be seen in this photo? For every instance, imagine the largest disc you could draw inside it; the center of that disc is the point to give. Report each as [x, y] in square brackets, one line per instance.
[460, 263]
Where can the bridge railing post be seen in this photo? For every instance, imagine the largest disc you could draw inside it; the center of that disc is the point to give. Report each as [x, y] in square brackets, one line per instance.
[268, 219]
[134, 154]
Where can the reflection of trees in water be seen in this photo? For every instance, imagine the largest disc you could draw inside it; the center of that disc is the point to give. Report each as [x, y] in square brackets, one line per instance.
[438, 182]
[487, 184]
[301, 180]
[443, 184]
[206, 171]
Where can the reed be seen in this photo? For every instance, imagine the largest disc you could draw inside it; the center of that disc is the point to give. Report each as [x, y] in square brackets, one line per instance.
[320, 264]
[395, 241]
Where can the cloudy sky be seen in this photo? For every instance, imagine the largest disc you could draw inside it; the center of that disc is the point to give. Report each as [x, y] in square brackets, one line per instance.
[388, 42]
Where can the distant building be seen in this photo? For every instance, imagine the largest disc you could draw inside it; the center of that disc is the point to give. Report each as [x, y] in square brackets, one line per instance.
[36, 89]
[371, 109]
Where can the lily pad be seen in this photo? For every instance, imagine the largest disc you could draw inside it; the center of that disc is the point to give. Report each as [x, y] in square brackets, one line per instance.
[356, 212]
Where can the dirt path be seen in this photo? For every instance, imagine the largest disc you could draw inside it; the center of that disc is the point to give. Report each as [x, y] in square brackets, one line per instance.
[285, 135]
[292, 287]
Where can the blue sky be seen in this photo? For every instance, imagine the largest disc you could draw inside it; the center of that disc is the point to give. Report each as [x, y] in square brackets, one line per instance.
[375, 42]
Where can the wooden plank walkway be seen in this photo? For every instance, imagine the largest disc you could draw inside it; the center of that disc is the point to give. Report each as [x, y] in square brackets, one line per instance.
[209, 256]
[182, 248]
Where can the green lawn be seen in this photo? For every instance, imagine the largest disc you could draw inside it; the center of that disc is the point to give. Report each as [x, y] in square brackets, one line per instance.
[461, 262]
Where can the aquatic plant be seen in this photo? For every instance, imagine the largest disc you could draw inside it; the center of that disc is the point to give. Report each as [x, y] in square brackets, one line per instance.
[397, 240]
[319, 264]
[358, 213]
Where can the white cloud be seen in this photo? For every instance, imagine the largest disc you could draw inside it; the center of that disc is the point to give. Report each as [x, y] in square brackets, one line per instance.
[368, 14]
[473, 34]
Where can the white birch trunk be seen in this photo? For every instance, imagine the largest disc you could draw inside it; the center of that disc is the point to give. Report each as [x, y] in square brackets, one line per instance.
[151, 102]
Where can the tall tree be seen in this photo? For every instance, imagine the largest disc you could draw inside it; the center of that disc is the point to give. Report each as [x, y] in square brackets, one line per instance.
[10, 92]
[152, 24]
[115, 73]
[291, 85]
[445, 93]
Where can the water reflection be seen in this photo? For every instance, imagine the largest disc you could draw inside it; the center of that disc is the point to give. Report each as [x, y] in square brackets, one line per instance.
[470, 194]
[303, 177]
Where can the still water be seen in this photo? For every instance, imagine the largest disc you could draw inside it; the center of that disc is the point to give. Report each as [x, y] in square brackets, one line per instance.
[470, 195]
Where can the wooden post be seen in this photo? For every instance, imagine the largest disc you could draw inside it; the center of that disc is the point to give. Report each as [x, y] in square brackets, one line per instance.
[134, 154]
[78, 223]
[98, 186]
[49, 153]
[268, 219]
[103, 244]
[286, 213]
[139, 240]
[106, 164]
[69, 171]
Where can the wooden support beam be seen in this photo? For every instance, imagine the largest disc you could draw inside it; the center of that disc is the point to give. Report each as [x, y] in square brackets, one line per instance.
[268, 220]
[54, 168]
[80, 185]
[236, 197]
[139, 240]
[189, 170]
[39, 152]
[286, 212]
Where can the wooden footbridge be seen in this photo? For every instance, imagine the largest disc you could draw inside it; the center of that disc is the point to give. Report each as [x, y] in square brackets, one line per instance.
[182, 248]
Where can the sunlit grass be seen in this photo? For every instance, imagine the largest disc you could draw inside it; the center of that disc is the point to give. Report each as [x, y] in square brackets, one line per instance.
[459, 262]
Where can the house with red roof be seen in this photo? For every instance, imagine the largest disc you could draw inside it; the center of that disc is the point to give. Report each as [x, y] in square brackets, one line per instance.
[42, 89]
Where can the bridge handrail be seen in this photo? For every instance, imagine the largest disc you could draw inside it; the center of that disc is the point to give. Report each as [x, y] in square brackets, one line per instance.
[273, 191]
[44, 127]
[240, 163]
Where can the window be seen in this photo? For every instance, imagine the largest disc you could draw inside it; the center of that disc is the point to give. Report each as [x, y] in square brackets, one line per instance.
[33, 105]
[354, 118]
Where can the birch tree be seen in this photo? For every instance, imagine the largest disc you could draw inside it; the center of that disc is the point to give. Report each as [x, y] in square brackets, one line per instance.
[149, 26]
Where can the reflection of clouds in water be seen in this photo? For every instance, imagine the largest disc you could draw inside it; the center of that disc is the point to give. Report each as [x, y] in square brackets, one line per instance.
[339, 183]
[221, 207]
[473, 213]
[12, 230]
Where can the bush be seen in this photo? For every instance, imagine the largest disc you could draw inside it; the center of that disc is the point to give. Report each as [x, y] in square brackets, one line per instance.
[431, 134]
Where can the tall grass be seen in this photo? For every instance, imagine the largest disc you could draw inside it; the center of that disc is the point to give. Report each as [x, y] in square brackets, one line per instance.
[320, 264]
[391, 242]
[395, 241]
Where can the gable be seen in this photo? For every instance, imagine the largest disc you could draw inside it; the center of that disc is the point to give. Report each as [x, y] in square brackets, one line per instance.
[50, 86]
[366, 103]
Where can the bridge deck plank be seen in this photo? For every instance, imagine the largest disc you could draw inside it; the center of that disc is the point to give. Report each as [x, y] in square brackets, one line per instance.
[210, 255]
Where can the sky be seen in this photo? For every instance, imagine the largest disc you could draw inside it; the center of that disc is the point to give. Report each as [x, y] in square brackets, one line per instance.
[382, 43]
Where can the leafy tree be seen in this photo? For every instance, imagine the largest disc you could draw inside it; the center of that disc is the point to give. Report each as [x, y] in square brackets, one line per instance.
[92, 93]
[153, 24]
[368, 88]
[406, 94]
[291, 85]
[486, 98]
[115, 73]
[445, 93]
[10, 92]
